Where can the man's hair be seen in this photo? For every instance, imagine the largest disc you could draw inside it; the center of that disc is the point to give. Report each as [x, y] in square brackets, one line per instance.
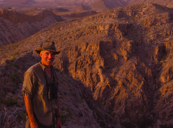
[42, 51]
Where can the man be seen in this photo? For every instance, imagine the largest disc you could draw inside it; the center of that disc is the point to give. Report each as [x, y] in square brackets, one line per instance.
[40, 90]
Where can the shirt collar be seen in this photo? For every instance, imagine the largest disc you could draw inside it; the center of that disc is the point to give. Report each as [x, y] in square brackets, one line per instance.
[43, 66]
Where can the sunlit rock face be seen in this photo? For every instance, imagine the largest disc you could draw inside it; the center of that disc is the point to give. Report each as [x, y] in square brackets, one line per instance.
[126, 62]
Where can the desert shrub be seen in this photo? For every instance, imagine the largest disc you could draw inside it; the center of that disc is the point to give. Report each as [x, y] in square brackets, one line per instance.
[166, 126]
[16, 65]
[10, 101]
[15, 53]
[12, 58]
[7, 121]
[128, 125]
[146, 122]
[65, 116]
[14, 77]
[21, 115]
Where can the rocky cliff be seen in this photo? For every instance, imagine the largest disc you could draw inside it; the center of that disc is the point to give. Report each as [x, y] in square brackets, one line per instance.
[115, 68]
[16, 26]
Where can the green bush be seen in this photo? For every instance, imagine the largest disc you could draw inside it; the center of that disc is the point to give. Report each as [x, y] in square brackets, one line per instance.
[10, 101]
[21, 115]
[66, 116]
[14, 77]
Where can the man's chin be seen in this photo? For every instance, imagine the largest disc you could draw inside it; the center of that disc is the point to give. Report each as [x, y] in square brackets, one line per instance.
[48, 63]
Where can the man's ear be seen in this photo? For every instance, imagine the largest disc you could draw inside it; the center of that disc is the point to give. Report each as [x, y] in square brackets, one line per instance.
[41, 54]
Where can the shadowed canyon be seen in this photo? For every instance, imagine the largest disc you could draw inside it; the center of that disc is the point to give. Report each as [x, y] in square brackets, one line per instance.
[115, 68]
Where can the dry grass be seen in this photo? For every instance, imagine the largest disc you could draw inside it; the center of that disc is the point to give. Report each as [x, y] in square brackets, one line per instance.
[9, 120]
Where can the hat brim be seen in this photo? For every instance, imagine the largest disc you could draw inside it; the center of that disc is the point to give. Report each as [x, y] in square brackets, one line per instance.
[42, 49]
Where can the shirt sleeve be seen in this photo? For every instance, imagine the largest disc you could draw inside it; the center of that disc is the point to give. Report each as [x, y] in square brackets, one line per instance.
[28, 84]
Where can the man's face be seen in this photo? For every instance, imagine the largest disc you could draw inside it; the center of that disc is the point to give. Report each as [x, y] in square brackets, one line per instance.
[47, 57]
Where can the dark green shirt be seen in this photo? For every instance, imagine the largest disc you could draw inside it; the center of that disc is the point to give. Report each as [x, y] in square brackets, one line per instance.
[34, 85]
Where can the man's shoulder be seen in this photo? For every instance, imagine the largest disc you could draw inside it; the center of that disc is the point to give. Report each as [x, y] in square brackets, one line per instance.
[33, 68]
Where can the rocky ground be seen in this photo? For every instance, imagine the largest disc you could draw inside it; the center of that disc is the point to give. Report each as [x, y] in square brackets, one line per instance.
[115, 69]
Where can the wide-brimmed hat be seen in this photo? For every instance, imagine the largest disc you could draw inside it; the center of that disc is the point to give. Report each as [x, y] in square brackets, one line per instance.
[47, 45]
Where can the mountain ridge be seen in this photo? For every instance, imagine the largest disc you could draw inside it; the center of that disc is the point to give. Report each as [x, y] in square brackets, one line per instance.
[107, 4]
[16, 26]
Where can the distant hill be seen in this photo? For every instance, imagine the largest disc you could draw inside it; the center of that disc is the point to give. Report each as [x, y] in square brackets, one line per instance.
[60, 10]
[115, 3]
[99, 6]
[168, 3]
[121, 3]
[16, 26]
[80, 8]
[46, 4]
[19, 2]
[16, 17]
[68, 2]
[103, 5]
[75, 2]
[29, 2]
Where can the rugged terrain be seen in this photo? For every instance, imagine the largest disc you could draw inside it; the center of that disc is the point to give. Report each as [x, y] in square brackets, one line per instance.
[115, 69]
[18, 25]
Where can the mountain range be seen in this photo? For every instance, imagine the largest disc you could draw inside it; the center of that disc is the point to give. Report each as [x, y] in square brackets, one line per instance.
[16, 26]
[95, 5]
[19, 2]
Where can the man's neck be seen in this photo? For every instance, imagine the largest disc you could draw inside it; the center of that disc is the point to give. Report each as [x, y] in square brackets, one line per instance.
[47, 66]
[48, 72]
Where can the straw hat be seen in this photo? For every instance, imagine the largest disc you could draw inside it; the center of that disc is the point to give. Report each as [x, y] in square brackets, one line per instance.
[47, 45]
